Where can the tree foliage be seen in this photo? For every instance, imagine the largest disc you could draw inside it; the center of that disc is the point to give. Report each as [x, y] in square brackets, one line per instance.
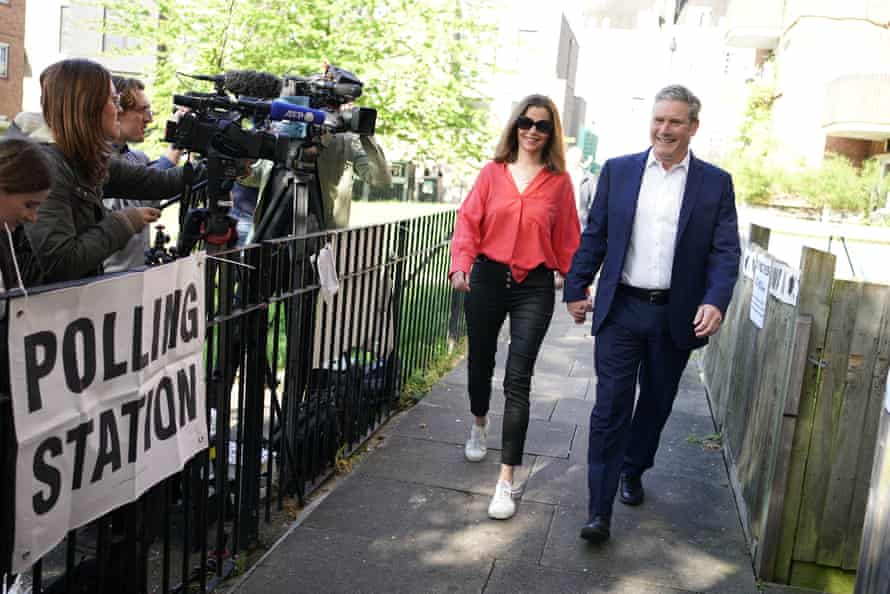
[837, 184]
[422, 62]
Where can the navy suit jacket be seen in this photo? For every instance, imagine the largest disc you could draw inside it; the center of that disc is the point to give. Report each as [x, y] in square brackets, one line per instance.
[706, 253]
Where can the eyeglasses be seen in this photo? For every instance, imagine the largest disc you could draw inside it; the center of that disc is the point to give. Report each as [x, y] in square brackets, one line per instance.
[542, 126]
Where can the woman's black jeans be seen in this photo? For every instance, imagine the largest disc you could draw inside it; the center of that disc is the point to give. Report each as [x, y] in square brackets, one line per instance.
[493, 295]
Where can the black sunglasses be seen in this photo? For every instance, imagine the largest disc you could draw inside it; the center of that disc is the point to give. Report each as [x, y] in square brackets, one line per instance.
[543, 126]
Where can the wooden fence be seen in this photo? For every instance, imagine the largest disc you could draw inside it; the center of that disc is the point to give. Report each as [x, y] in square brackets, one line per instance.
[798, 402]
[874, 559]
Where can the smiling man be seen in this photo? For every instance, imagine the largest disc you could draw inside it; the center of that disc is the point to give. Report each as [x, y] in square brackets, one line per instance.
[134, 116]
[663, 234]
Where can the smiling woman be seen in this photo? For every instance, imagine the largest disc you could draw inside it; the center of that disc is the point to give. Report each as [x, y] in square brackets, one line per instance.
[515, 228]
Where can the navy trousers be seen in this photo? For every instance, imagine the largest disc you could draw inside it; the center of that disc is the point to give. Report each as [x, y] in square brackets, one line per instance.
[633, 346]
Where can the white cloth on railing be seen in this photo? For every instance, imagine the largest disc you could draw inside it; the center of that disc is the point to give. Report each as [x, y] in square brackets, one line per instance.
[327, 272]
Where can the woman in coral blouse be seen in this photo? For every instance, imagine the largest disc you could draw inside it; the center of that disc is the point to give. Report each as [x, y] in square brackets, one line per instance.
[517, 225]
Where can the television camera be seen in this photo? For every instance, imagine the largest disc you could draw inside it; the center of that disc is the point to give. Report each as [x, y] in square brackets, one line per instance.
[238, 123]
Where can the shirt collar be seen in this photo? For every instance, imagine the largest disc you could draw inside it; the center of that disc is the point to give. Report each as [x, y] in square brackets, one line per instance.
[651, 160]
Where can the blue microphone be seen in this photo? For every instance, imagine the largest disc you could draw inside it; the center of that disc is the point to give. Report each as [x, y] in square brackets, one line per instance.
[282, 110]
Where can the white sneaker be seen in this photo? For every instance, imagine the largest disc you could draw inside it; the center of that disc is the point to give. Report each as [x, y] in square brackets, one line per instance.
[476, 447]
[502, 506]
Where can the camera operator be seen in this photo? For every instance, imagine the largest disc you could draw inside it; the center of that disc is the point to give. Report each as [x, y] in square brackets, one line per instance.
[135, 115]
[336, 153]
[75, 233]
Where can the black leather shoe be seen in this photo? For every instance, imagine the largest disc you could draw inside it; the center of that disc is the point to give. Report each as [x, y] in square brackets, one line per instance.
[631, 492]
[596, 530]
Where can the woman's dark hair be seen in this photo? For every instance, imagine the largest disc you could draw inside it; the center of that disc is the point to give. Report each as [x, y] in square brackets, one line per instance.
[73, 94]
[553, 154]
[24, 168]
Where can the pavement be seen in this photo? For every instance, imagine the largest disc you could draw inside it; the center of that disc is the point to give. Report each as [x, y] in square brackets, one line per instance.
[411, 517]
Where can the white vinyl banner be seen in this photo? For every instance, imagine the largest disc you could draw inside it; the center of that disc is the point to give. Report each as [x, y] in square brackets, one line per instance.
[107, 385]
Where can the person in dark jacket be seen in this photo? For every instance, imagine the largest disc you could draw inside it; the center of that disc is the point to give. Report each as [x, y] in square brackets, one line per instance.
[75, 232]
[24, 185]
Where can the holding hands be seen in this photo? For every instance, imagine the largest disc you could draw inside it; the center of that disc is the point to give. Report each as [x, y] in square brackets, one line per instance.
[578, 310]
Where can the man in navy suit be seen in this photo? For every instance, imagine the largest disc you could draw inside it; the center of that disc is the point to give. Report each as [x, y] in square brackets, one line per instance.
[663, 229]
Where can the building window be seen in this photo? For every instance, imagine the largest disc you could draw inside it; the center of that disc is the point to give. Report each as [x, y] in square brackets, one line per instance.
[4, 59]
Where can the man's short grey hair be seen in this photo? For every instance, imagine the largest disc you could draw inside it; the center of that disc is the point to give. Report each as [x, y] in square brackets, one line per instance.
[681, 93]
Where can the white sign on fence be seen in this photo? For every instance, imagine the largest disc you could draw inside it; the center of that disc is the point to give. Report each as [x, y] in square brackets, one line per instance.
[108, 391]
[760, 290]
[785, 283]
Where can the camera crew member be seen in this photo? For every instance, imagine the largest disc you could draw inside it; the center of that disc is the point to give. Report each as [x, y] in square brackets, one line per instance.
[75, 232]
[337, 151]
[135, 115]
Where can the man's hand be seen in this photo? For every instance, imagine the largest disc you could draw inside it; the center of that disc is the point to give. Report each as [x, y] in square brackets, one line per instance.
[578, 310]
[459, 282]
[707, 320]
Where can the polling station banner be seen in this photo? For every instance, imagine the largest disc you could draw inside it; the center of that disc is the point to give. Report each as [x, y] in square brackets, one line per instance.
[108, 392]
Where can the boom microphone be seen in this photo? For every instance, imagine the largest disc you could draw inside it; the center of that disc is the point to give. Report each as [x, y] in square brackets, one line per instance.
[249, 83]
[252, 83]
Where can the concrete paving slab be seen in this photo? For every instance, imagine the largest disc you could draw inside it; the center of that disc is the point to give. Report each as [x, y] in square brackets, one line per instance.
[560, 386]
[437, 465]
[328, 561]
[544, 438]
[668, 551]
[443, 522]
[678, 454]
[456, 398]
[557, 482]
[572, 410]
[510, 577]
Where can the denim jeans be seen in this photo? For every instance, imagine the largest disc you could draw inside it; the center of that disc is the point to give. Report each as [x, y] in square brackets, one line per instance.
[494, 295]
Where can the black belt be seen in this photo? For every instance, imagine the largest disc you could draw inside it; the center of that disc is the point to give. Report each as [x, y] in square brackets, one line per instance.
[653, 296]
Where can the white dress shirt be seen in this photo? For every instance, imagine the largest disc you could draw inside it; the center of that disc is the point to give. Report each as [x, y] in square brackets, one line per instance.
[650, 254]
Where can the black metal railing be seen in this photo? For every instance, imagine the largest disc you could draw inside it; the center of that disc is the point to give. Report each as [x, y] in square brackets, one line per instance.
[294, 380]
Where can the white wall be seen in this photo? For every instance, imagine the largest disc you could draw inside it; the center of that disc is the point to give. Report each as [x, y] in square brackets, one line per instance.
[812, 53]
[42, 41]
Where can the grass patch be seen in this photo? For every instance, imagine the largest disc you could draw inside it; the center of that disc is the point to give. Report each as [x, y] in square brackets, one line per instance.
[711, 441]
[419, 383]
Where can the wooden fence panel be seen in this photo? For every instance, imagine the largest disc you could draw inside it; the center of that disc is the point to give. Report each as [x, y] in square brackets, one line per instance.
[873, 574]
[843, 516]
[816, 276]
[830, 526]
[868, 456]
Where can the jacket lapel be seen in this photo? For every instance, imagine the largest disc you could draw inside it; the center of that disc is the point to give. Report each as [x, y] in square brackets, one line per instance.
[632, 190]
[694, 180]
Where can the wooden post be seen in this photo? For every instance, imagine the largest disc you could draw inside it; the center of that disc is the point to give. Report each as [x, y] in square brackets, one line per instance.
[814, 298]
[759, 235]
[765, 559]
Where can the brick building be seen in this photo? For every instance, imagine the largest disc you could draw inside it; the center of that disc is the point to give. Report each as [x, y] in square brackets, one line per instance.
[12, 56]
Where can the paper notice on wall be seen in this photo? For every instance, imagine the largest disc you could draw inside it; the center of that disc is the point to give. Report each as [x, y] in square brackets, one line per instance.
[760, 290]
